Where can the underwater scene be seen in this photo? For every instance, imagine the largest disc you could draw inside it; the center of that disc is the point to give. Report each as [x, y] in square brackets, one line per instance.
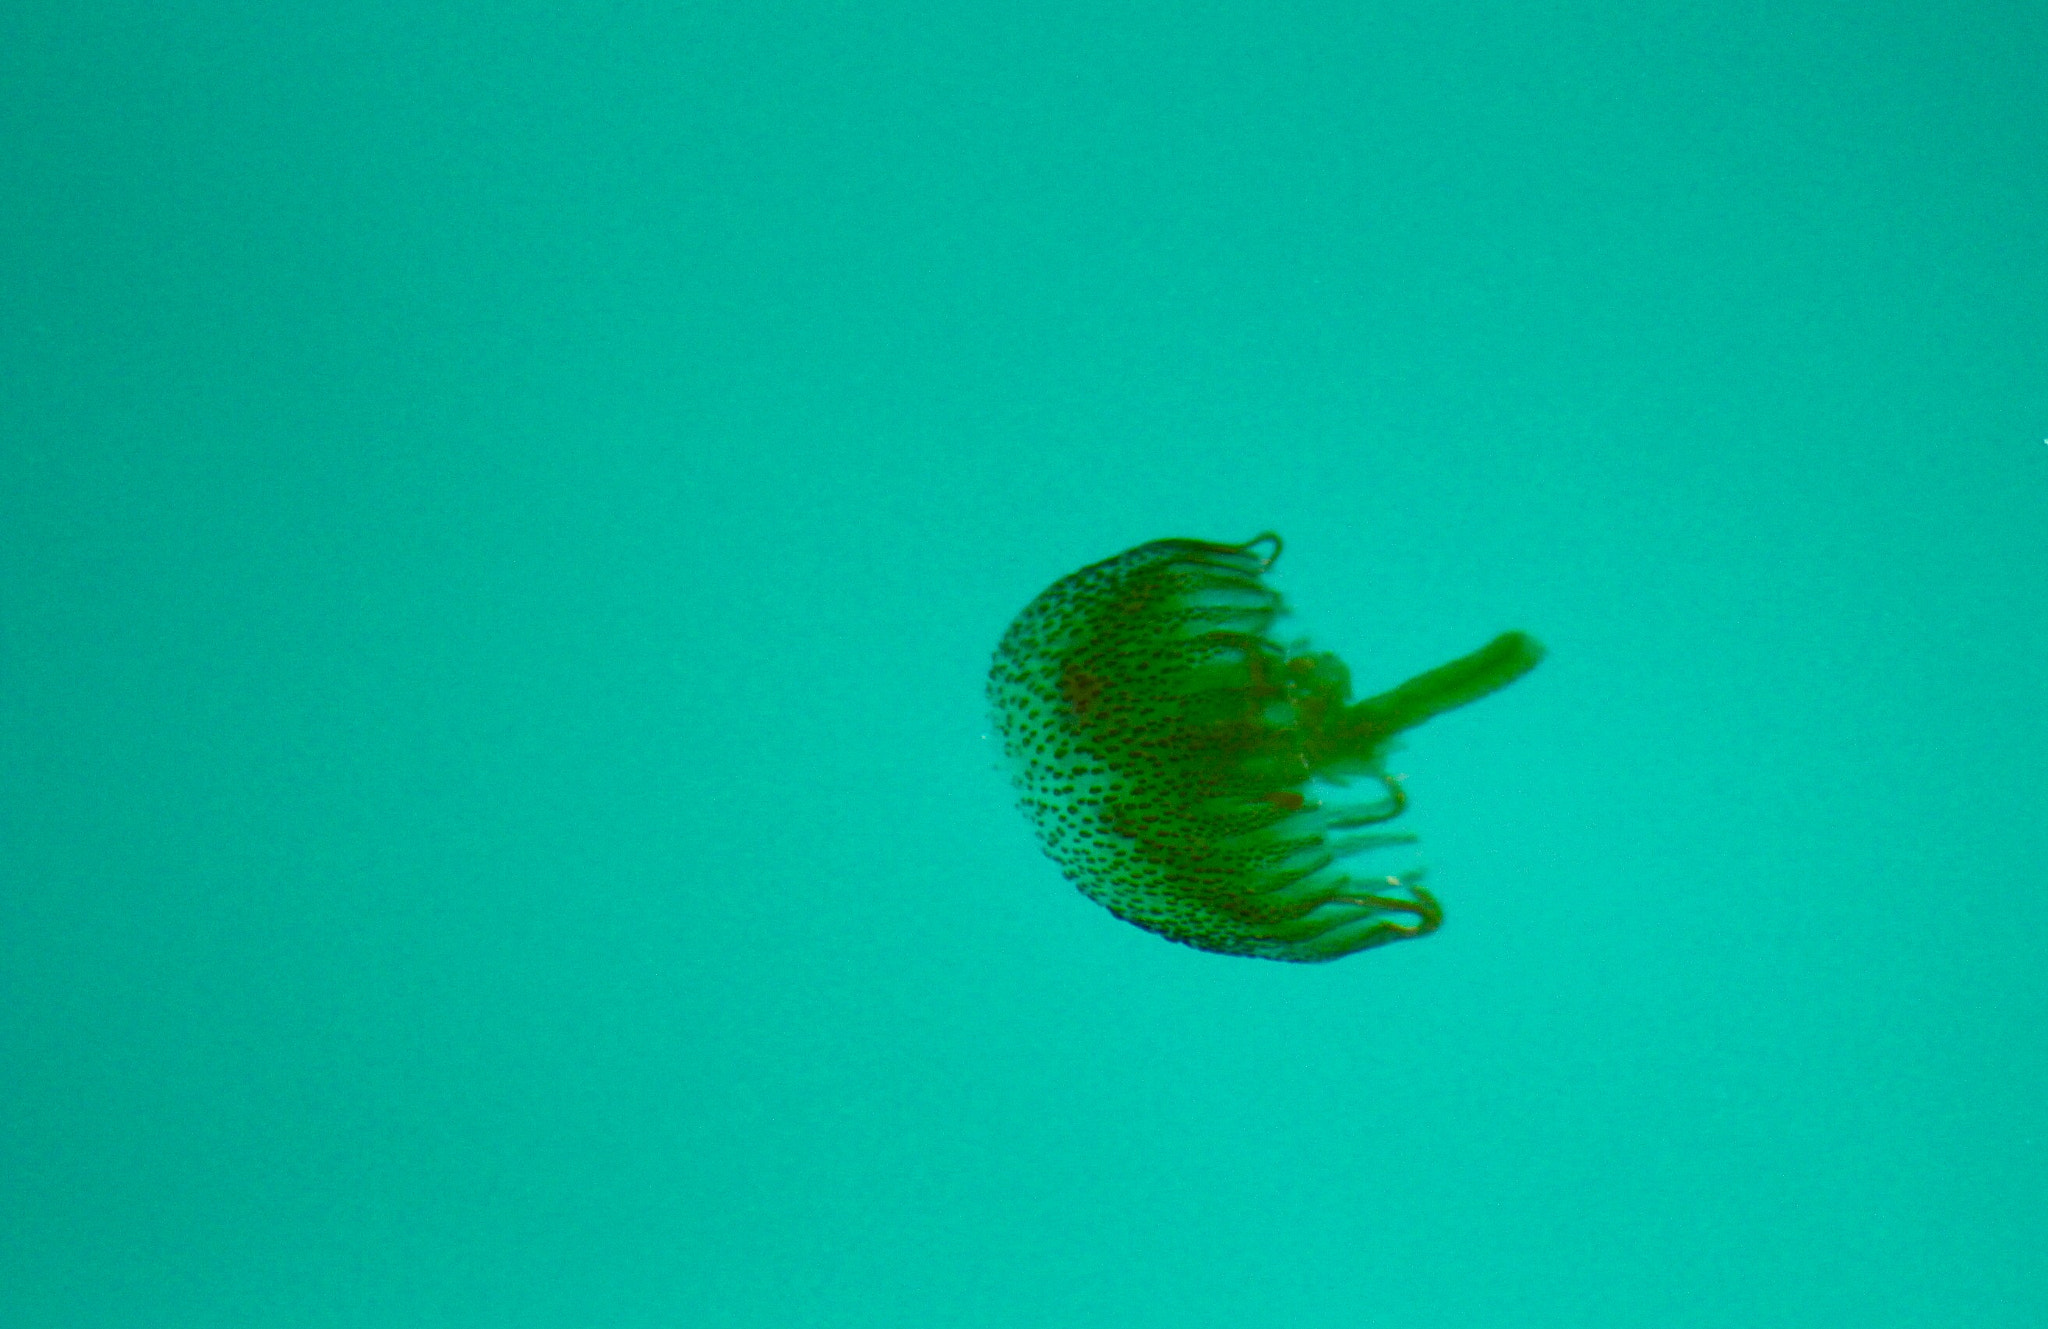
[1198, 666]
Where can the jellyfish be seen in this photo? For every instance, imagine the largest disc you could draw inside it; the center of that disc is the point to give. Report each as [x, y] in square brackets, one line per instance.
[1189, 772]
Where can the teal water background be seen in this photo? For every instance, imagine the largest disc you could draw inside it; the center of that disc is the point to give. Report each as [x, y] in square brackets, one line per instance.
[505, 510]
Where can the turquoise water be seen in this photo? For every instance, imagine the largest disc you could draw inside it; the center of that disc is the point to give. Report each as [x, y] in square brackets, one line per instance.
[504, 513]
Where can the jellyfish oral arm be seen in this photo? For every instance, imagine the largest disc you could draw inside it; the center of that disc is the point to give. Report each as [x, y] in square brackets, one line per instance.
[1446, 687]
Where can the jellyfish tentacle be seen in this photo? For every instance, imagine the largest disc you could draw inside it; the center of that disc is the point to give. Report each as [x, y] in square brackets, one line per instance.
[1351, 845]
[1429, 915]
[1265, 538]
[1368, 926]
[1396, 804]
[1254, 646]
